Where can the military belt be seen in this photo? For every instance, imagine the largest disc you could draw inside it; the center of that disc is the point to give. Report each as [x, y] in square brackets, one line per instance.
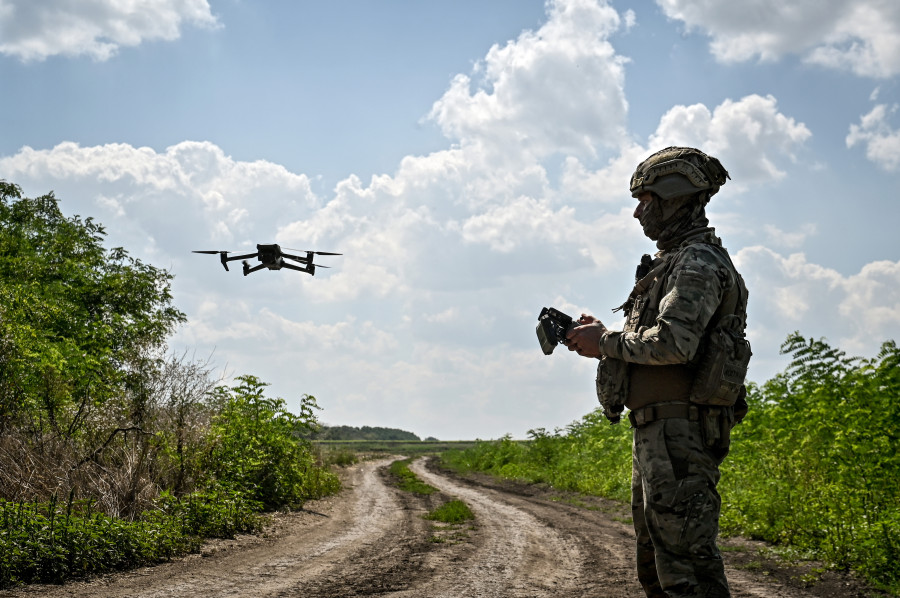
[651, 413]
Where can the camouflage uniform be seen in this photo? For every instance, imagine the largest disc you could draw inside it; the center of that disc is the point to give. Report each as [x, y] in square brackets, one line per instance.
[678, 444]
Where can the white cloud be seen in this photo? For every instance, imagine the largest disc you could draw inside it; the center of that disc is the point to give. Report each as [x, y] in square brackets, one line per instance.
[750, 136]
[881, 140]
[557, 89]
[790, 240]
[856, 312]
[216, 198]
[35, 30]
[862, 36]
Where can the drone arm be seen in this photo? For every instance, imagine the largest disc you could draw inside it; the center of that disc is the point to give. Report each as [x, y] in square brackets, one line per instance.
[297, 258]
[238, 257]
[309, 269]
[248, 269]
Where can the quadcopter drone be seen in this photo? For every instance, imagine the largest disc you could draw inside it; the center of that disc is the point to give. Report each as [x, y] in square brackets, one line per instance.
[273, 258]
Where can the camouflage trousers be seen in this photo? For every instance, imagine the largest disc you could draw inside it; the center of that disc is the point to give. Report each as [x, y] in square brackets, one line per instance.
[675, 508]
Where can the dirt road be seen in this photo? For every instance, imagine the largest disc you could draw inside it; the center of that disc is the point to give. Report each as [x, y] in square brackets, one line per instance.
[371, 540]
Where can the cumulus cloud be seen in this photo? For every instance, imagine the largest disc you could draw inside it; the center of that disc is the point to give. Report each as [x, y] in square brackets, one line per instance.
[789, 239]
[881, 140]
[750, 136]
[566, 68]
[862, 36]
[856, 312]
[36, 30]
[191, 186]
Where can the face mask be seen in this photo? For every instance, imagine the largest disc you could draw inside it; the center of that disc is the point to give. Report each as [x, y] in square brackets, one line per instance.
[651, 219]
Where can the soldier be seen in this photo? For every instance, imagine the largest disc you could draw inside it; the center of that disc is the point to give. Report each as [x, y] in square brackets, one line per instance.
[678, 366]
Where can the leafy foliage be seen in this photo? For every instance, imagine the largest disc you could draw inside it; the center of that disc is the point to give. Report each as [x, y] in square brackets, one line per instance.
[51, 542]
[74, 317]
[817, 464]
[259, 446]
[588, 456]
[152, 453]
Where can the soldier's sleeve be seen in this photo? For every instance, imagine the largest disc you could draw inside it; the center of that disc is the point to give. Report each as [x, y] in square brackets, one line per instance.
[693, 291]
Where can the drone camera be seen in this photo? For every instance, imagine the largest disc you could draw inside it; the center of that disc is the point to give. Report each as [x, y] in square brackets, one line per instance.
[269, 254]
[552, 328]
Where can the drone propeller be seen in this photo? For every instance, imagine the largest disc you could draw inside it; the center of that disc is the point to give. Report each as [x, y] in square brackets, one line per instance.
[223, 256]
[313, 252]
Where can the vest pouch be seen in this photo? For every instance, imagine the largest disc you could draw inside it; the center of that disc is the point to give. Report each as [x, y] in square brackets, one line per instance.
[612, 387]
[723, 365]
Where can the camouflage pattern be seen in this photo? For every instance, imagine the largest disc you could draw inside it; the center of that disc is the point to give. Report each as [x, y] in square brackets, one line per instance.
[675, 508]
[676, 171]
[666, 323]
[676, 460]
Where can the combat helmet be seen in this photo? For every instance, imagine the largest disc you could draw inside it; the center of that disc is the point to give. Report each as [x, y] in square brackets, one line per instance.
[678, 171]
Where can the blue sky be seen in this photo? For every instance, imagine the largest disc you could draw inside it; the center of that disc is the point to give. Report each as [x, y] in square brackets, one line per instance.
[471, 162]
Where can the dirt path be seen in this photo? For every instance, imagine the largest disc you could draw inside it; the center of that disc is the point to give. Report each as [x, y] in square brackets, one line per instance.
[371, 540]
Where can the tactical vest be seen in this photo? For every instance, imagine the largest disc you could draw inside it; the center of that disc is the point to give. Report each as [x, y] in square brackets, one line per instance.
[716, 374]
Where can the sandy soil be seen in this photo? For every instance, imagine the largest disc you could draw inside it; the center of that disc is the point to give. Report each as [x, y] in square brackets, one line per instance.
[371, 539]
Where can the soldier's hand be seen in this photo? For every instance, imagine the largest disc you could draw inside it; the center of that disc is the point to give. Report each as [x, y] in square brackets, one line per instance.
[584, 338]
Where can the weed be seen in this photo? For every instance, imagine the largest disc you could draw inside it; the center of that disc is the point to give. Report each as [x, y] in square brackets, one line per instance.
[408, 480]
[454, 511]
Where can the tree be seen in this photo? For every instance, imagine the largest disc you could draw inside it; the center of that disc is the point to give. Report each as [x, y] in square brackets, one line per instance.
[77, 321]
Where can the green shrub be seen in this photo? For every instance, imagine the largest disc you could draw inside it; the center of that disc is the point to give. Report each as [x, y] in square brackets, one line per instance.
[258, 447]
[51, 542]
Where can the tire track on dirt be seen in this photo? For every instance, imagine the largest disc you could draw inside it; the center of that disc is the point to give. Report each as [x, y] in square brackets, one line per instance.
[317, 544]
[516, 555]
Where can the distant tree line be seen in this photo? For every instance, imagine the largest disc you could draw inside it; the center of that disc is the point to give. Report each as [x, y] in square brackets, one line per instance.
[363, 433]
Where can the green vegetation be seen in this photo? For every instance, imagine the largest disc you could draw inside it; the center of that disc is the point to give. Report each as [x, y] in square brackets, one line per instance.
[394, 447]
[149, 451]
[364, 433]
[589, 456]
[407, 480]
[814, 467]
[454, 511]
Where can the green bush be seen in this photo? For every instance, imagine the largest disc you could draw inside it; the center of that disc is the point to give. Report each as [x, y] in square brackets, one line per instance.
[158, 456]
[815, 465]
[589, 456]
[259, 447]
[51, 542]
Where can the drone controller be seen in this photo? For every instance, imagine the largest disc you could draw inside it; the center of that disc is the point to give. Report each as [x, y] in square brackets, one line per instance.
[552, 328]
